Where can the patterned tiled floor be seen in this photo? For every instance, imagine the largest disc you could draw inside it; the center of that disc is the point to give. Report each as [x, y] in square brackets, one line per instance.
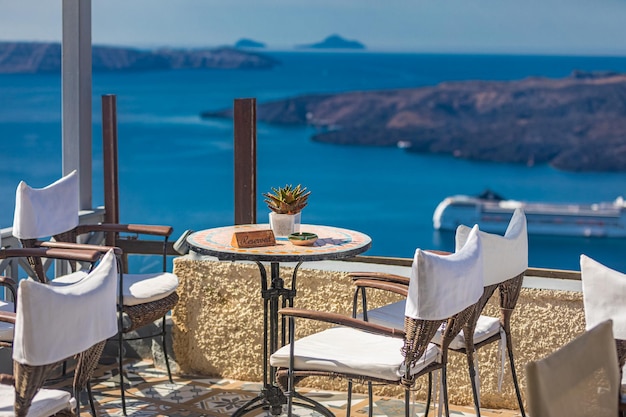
[152, 395]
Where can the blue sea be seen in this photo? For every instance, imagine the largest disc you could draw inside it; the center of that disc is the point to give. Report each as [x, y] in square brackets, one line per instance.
[177, 169]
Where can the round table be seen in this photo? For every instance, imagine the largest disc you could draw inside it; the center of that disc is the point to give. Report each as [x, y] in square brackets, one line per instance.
[332, 243]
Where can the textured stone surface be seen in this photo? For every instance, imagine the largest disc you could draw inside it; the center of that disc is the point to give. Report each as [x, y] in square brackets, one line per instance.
[217, 327]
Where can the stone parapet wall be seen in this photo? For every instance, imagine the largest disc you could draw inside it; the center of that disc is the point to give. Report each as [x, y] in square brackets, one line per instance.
[218, 327]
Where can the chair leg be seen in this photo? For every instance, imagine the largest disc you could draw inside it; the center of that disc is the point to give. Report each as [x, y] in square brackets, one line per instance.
[77, 409]
[370, 399]
[472, 375]
[407, 403]
[76, 394]
[430, 392]
[120, 329]
[444, 385]
[91, 401]
[349, 403]
[164, 346]
[120, 339]
[509, 348]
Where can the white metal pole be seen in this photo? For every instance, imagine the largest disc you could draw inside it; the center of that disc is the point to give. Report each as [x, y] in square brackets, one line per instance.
[76, 95]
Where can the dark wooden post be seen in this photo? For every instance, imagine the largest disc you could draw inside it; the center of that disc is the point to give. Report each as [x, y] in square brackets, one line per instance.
[244, 118]
[109, 151]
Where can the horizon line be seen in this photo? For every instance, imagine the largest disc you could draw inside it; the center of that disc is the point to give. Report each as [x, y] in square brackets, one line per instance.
[399, 50]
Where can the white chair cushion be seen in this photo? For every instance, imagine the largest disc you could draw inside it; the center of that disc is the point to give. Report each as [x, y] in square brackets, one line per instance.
[443, 285]
[6, 329]
[6, 305]
[392, 315]
[144, 288]
[505, 256]
[347, 350]
[604, 292]
[138, 288]
[43, 212]
[70, 278]
[485, 328]
[45, 403]
[6, 332]
[56, 322]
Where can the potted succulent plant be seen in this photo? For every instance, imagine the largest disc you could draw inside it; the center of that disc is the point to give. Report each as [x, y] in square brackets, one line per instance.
[285, 204]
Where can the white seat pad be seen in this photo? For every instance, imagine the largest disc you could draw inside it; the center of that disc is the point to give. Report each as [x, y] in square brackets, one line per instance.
[485, 328]
[69, 278]
[6, 305]
[6, 329]
[138, 288]
[144, 288]
[392, 315]
[45, 403]
[347, 350]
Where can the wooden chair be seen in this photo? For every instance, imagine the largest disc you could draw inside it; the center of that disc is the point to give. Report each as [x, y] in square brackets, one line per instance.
[143, 298]
[581, 379]
[53, 323]
[443, 289]
[505, 262]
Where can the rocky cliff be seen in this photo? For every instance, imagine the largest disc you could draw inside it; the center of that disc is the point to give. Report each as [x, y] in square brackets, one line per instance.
[577, 123]
[34, 57]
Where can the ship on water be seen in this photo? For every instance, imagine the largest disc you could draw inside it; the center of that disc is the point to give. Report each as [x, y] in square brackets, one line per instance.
[492, 214]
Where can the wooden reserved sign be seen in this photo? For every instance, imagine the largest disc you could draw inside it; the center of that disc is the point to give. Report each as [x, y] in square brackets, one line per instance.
[253, 239]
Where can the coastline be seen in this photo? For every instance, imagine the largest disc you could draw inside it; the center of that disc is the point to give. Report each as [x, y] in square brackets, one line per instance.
[576, 123]
[176, 168]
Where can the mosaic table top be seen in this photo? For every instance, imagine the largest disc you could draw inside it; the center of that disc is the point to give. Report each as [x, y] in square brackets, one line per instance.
[332, 243]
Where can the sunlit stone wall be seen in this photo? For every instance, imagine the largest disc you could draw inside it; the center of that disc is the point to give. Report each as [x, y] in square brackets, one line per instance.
[218, 327]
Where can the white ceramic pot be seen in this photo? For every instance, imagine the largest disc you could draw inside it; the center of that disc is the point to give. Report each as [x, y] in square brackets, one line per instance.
[284, 224]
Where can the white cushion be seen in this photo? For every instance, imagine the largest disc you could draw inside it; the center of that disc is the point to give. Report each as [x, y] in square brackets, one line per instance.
[443, 285]
[392, 315]
[45, 403]
[56, 322]
[6, 305]
[138, 288]
[43, 212]
[604, 292]
[144, 288]
[70, 278]
[505, 256]
[6, 329]
[347, 350]
[485, 328]
[6, 332]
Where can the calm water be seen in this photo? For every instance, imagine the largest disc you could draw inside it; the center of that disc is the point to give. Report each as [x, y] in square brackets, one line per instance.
[177, 169]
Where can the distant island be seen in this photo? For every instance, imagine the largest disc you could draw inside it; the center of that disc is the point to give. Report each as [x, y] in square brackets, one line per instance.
[249, 43]
[39, 57]
[335, 42]
[577, 123]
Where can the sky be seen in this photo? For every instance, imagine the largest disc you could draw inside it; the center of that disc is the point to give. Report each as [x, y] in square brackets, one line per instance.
[570, 27]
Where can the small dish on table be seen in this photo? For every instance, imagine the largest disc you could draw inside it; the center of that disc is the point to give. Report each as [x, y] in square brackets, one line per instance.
[303, 238]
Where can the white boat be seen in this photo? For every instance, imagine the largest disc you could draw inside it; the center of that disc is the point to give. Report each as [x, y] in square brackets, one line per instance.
[492, 214]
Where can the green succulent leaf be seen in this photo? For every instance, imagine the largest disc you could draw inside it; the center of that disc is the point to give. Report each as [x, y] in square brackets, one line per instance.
[287, 199]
